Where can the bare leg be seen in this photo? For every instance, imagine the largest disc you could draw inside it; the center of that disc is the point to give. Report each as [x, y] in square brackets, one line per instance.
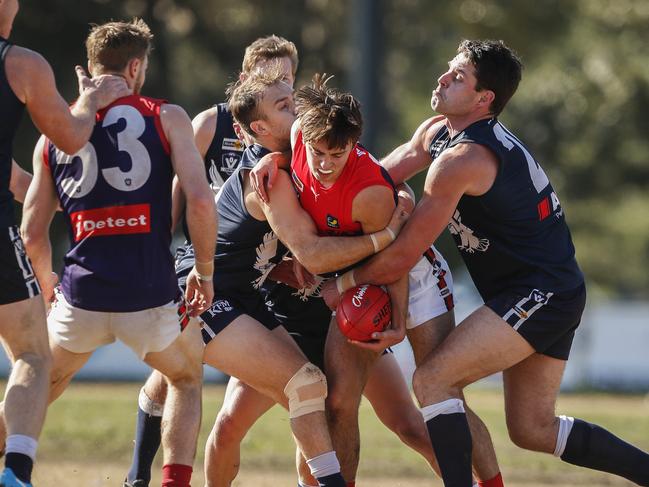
[181, 365]
[387, 391]
[24, 336]
[347, 369]
[242, 406]
[426, 338]
[266, 361]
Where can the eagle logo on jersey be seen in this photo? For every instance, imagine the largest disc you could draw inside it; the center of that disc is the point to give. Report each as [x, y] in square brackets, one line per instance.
[312, 291]
[265, 252]
[468, 242]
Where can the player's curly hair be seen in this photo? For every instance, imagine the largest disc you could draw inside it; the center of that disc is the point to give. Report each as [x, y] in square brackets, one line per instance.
[245, 95]
[328, 114]
[112, 45]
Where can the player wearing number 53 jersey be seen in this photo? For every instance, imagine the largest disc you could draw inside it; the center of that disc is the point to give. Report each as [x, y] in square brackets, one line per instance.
[510, 228]
[118, 276]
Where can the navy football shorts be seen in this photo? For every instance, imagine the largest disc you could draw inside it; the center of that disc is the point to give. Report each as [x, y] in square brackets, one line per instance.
[546, 320]
[17, 279]
[226, 308]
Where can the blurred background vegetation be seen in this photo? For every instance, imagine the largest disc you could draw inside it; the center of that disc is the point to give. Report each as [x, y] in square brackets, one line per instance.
[581, 107]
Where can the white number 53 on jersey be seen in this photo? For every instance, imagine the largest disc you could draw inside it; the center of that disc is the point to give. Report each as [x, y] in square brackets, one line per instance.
[127, 141]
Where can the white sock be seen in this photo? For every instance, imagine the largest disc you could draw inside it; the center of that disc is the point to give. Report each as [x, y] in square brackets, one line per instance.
[150, 407]
[22, 444]
[323, 465]
[565, 427]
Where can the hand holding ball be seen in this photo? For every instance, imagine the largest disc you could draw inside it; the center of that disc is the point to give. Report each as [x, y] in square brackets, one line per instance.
[363, 310]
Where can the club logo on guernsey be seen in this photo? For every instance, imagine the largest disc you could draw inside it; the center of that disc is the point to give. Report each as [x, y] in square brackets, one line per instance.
[468, 241]
[332, 222]
[229, 162]
[113, 220]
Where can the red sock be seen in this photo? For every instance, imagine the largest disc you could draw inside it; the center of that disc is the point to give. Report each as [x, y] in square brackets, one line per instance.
[176, 475]
[497, 481]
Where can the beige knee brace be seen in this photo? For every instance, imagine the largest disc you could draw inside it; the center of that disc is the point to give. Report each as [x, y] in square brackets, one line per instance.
[306, 391]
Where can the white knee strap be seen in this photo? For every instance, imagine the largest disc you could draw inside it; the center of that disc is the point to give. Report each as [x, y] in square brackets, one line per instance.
[449, 406]
[150, 407]
[306, 391]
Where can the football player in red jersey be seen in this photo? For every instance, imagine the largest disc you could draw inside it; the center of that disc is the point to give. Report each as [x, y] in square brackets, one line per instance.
[118, 278]
[386, 388]
[347, 192]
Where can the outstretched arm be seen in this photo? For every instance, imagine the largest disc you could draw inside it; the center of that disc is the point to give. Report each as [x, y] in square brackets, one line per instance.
[467, 169]
[32, 80]
[412, 157]
[318, 254]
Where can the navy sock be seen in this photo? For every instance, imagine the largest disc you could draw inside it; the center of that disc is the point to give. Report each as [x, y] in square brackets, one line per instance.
[451, 439]
[21, 465]
[591, 446]
[333, 480]
[147, 442]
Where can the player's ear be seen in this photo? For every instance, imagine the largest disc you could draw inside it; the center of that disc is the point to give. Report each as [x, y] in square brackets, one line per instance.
[486, 98]
[259, 127]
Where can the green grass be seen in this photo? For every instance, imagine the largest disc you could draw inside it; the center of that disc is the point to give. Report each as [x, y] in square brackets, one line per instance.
[94, 423]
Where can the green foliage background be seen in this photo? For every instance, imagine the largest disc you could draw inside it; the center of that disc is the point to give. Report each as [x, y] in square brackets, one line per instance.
[581, 107]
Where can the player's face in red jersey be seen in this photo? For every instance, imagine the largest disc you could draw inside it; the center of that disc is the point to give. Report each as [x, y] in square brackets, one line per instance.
[277, 111]
[327, 163]
[285, 66]
[455, 94]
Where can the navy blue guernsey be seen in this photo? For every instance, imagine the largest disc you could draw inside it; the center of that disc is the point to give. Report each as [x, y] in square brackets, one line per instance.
[247, 249]
[116, 196]
[515, 234]
[11, 110]
[223, 155]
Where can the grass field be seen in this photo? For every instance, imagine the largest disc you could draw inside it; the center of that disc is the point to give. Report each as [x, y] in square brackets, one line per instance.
[87, 441]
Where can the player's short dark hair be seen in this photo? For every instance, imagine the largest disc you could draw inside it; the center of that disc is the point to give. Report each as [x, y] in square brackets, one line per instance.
[497, 68]
[267, 48]
[328, 114]
[112, 45]
[246, 94]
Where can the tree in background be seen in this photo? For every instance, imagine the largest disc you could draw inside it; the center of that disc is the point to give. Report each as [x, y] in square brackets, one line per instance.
[581, 106]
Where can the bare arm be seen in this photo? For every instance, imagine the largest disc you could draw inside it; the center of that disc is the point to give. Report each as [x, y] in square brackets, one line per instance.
[204, 127]
[408, 159]
[201, 212]
[32, 80]
[466, 169]
[296, 229]
[41, 203]
[19, 182]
